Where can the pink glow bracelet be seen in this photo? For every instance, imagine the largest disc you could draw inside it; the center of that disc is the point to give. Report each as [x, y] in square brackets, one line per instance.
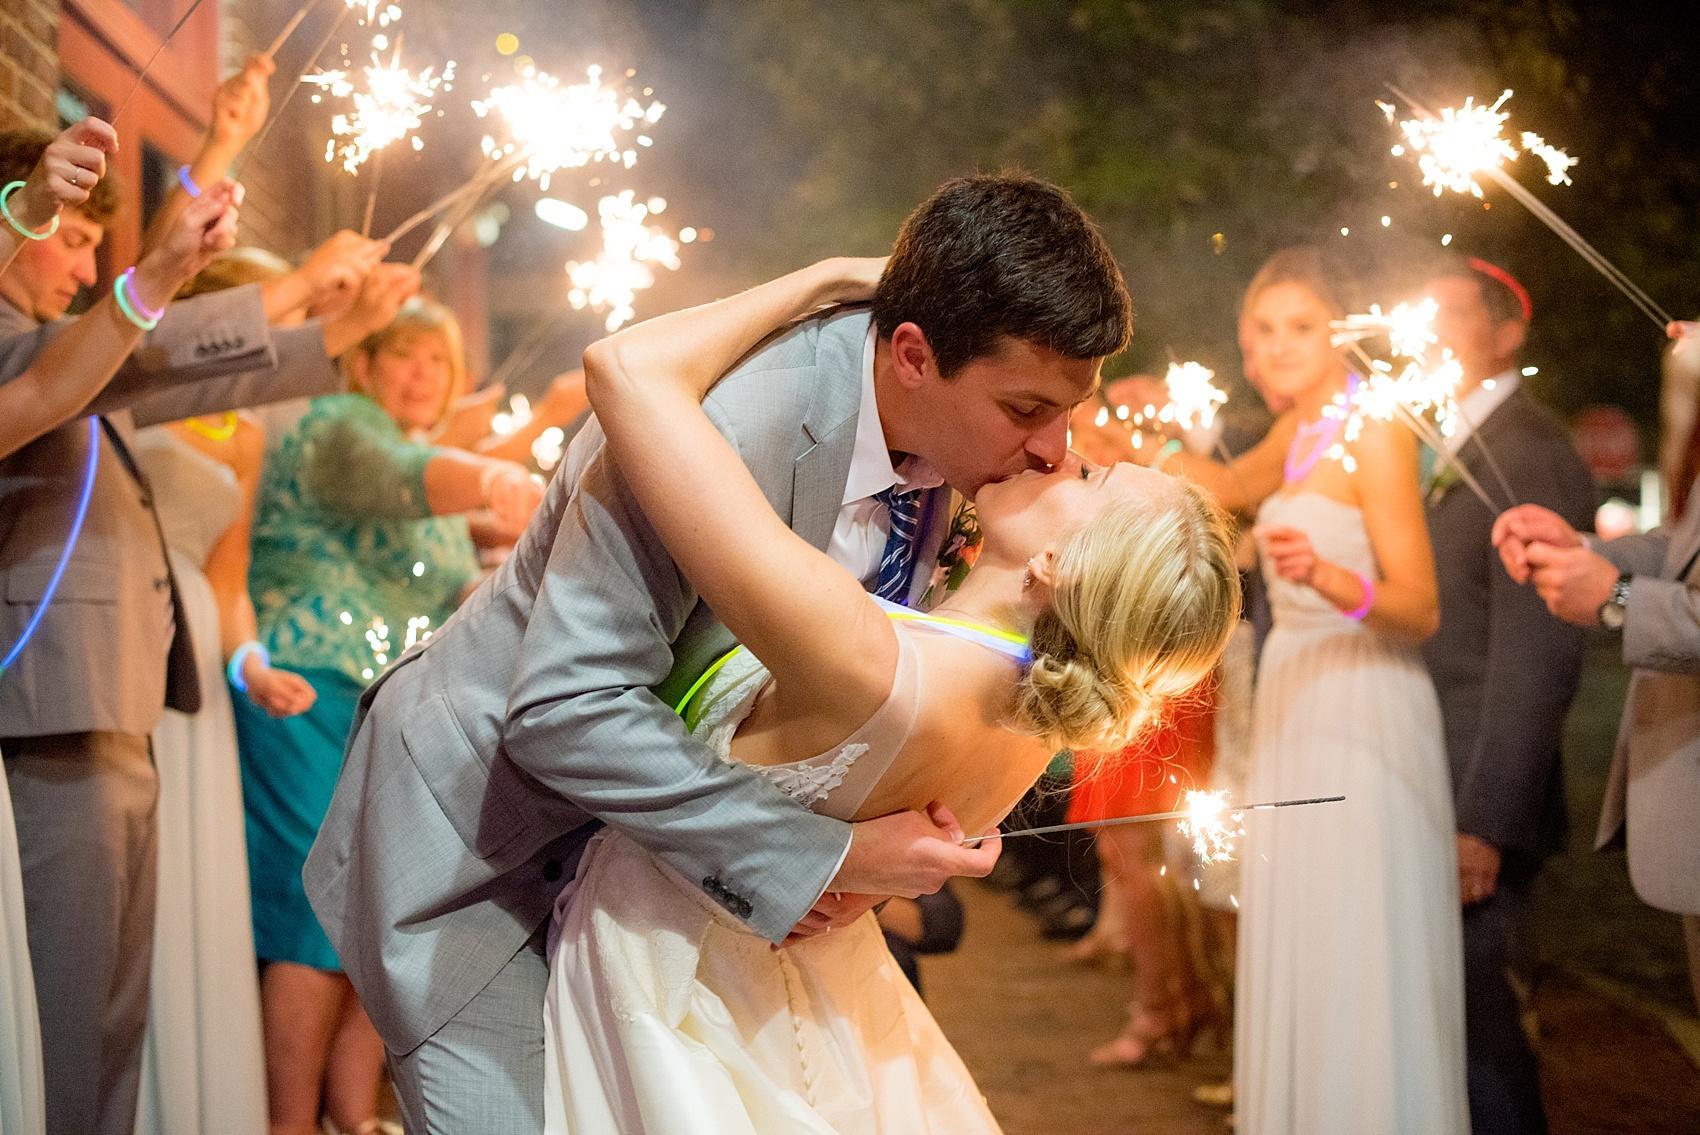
[1362, 608]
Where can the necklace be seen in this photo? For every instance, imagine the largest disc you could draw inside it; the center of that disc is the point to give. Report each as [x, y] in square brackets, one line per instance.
[1320, 435]
[222, 432]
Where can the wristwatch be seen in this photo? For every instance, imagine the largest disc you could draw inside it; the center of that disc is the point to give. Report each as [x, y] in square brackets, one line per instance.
[1613, 609]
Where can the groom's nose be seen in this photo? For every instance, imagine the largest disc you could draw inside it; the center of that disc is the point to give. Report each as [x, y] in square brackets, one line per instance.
[1048, 445]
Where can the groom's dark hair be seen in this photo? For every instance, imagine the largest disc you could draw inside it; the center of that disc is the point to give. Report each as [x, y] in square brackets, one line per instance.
[1004, 254]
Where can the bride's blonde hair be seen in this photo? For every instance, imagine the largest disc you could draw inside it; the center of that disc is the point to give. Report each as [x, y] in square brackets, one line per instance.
[1143, 600]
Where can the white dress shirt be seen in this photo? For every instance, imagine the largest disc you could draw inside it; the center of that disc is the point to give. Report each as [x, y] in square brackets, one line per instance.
[1476, 406]
[864, 524]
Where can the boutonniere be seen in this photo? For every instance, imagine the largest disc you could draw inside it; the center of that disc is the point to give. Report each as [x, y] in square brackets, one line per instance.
[960, 549]
[1444, 478]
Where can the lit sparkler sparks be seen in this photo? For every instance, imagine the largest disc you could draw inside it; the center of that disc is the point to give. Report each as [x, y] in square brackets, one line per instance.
[1193, 398]
[1558, 162]
[392, 106]
[1211, 826]
[625, 266]
[378, 13]
[1468, 142]
[1409, 329]
[558, 126]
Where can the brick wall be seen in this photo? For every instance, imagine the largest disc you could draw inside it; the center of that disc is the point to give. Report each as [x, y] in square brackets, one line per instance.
[29, 62]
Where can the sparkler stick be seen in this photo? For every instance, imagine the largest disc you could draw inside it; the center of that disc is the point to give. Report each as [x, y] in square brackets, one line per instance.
[446, 227]
[477, 185]
[1151, 818]
[277, 111]
[289, 28]
[372, 194]
[154, 58]
[1487, 455]
[1490, 164]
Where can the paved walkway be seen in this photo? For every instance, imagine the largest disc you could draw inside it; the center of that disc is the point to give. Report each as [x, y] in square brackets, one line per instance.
[1024, 1019]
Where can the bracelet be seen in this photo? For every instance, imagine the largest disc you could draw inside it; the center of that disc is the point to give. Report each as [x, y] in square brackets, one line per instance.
[238, 657]
[17, 225]
[1170, 448]
[187, 181]
[1362, 609]
[131, 305]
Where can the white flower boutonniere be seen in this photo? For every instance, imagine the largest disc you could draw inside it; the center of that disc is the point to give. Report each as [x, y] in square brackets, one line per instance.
[961, 549]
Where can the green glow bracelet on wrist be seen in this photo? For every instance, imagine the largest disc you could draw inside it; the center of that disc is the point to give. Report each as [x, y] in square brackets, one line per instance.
[1170, 448]
[17, 225]
[132, 307]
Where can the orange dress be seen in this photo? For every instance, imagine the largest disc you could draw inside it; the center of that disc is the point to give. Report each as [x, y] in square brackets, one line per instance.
[1153, 773]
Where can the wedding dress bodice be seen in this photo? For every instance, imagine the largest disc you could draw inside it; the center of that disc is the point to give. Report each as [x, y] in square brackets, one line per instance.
[1336, 530]
[196, 497]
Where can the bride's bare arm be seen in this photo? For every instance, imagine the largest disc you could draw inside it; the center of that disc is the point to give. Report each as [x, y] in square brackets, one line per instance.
[805, 617]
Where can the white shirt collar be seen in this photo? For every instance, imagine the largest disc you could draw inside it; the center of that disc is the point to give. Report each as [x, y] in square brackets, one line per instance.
[871, 470]
[1479, 404]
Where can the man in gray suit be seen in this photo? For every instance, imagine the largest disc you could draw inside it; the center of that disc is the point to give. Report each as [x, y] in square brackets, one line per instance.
[1644, 589]
[1505, 672]
[78, 704]
[481, 762]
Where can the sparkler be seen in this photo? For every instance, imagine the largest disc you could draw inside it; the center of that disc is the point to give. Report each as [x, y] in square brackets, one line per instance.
[1464, 144]
[624, 267]
[1205, 820]
[300, 77]
[1192, 396]
[560, 127]
[392, 105]
[154, 58]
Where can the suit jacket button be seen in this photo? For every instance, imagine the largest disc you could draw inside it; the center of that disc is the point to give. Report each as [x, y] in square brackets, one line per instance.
[202, 350]
[552, 870]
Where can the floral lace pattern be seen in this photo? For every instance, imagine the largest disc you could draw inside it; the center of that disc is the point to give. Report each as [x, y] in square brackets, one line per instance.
[809, 782]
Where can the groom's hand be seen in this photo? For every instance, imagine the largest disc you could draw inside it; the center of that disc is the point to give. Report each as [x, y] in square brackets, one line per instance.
[834, 910]
[910, 854]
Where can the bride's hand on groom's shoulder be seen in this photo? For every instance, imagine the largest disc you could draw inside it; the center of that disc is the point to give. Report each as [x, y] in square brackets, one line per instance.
[910, 854]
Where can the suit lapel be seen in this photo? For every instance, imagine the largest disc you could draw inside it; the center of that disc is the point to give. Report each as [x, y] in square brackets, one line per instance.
[829, 425]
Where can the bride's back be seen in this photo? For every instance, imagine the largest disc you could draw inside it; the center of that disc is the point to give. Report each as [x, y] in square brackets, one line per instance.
[956, 749]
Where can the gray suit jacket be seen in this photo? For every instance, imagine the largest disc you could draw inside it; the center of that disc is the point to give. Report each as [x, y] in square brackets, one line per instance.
[1505, 670]
[1654, 784]
[99, 659]
[480, 759]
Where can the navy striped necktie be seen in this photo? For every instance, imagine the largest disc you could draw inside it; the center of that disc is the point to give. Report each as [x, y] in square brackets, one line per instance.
[897, 565]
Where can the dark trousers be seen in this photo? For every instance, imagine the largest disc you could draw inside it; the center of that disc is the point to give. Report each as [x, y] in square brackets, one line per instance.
[1503, 1077]
[88, 847]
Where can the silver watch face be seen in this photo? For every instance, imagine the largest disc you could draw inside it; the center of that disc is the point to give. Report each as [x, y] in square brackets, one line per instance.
[1611, 615]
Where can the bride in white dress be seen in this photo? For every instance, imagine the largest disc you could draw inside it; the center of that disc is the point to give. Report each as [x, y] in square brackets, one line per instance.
[1350, 988]
[664, 1014]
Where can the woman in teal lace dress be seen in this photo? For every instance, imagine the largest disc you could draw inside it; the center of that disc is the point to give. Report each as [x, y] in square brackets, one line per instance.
[359, 545]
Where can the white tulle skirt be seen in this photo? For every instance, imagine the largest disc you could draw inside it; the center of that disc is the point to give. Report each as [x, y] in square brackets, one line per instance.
[666, 1016]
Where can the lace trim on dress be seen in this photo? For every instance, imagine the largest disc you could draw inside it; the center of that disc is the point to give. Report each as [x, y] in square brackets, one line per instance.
[808, 784]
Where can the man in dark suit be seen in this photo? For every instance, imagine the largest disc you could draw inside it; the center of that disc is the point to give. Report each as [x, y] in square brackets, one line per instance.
[1505, 672]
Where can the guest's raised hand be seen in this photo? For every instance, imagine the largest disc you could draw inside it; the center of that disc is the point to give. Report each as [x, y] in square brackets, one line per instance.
[1289, 552]
[1683, 329]
[202, 229]
[911, 854]
[1517, 528]
[381, 295]
[280, 693]
[242, 102]
[69, 169]
[334, 272]
[1573, 582]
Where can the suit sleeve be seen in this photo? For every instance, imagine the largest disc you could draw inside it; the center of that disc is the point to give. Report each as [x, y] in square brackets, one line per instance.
[1534, 663]
[582, 720]
[207, 337]
[1640, 554]
[298, 369]
[1661, 626]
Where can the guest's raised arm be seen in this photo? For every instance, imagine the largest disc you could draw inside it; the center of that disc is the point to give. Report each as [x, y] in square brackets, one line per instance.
[68, 374]
[69, 169]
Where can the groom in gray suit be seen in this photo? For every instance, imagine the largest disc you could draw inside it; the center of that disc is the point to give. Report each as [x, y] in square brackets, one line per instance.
[483, 760]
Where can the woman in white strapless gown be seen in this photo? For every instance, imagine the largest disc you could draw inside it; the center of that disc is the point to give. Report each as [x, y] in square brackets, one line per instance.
[1350, 970]
[665, 1015]
[202, 1066]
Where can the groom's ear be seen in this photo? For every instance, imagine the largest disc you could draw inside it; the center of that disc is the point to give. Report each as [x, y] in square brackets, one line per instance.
[912, 356]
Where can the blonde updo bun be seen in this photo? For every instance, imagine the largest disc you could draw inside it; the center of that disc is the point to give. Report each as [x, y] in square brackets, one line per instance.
[1143, 601]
